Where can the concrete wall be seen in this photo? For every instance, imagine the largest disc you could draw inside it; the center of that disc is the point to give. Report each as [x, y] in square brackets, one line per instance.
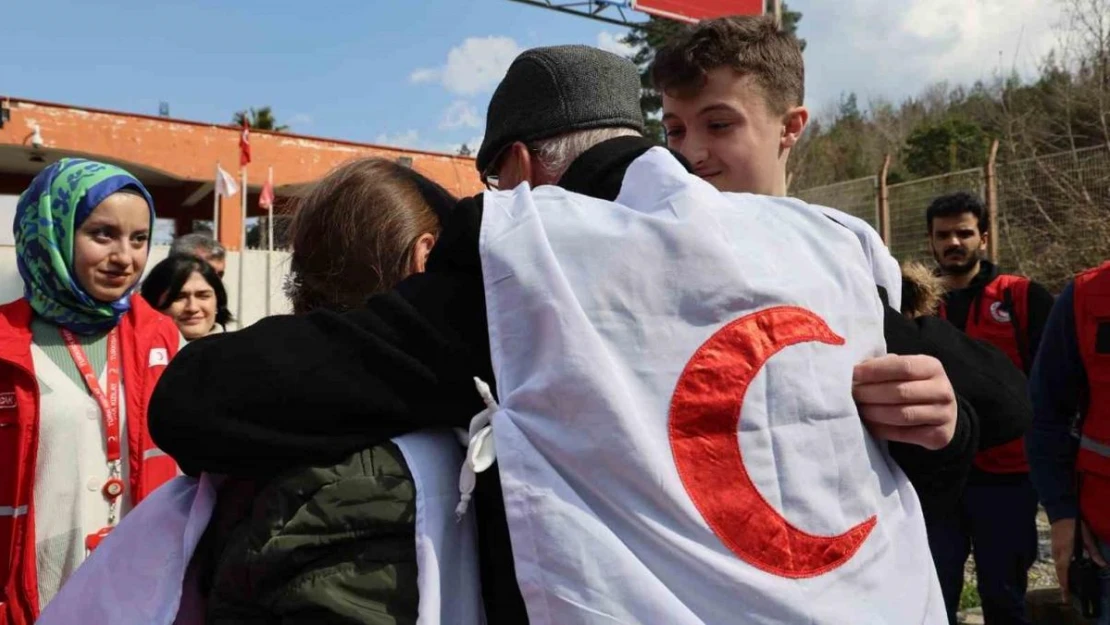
[7, 218]
[254, 302]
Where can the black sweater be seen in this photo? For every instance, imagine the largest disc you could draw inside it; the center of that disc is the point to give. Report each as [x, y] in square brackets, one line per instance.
[292, 390]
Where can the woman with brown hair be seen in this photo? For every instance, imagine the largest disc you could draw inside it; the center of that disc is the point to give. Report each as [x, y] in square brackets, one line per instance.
[345, 543]
[365, 227]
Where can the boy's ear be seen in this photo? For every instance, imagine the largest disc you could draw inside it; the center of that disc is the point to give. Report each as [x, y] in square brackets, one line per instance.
[794, 123]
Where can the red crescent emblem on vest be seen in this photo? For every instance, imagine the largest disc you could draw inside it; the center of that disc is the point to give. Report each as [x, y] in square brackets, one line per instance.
[704, 422]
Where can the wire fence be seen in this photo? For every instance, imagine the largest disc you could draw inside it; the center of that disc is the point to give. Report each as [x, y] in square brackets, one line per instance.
[258, 235]
[1053, 212]
[855, 197]
[908, 202]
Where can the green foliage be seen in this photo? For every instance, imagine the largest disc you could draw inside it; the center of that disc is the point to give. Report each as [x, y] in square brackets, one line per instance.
[646, 39]
[969, 597]
[790, 20]
[261, 118]
[948, 146]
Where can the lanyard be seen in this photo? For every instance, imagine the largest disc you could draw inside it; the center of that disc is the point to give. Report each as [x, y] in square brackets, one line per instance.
[109, 407]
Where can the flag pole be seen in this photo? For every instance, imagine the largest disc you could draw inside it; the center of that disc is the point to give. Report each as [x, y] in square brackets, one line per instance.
[270, 219]
[216, 204]
[269, 238]
[242, 244]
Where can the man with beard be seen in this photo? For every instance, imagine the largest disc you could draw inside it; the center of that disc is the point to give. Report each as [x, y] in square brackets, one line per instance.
[997, 516]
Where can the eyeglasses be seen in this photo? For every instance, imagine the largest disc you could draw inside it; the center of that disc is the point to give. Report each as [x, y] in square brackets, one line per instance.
[490, 176]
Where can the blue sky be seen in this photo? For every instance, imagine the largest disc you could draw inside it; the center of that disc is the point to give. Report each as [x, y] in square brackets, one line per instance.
[419, 73]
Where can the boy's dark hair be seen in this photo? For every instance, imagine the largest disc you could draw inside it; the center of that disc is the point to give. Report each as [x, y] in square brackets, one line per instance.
[955, 204]
[752, 46]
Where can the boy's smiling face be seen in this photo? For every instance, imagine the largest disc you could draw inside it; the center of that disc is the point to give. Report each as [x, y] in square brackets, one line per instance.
[731, 135]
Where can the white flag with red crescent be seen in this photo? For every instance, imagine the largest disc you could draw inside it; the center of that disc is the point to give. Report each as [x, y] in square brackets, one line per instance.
[676, 438]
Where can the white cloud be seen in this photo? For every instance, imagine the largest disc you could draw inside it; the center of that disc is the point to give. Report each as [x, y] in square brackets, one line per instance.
[408, 139]
[424, 75]
[896, 50]
[473, 67]
[461, 114]
[412, 140]
[610, 42]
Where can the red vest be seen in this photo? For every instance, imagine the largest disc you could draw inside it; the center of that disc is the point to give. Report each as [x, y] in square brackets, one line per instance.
[1092, 330]
[141, 330]
[1000, 316]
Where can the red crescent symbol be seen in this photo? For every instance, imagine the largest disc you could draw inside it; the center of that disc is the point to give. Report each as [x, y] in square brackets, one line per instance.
[704, 421]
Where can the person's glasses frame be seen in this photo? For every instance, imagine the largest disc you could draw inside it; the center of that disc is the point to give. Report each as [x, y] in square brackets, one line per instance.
[489, 177]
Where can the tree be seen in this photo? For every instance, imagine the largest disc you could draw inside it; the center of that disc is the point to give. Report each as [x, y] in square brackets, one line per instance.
[464, 150]
[790, 21]
[652, 35]
[951, 145]
[261, 118]
[646, 39]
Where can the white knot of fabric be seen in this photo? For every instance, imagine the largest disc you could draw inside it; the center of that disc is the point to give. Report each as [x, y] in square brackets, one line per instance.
[480, 452]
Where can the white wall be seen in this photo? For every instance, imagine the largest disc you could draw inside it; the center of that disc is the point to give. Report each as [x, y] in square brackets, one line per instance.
[254, 281]
[7, 218]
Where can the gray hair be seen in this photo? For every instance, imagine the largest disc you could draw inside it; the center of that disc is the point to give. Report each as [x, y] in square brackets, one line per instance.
[557, 153]
[198, 243]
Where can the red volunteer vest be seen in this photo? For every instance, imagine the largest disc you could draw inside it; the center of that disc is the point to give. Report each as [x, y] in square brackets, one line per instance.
[1092, 330]
[148, 340]
[1000, 316]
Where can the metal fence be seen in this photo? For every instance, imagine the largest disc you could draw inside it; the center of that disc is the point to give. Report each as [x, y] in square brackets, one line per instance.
[258, 237]
[1052, 212]
[908, 202]
[855, 197]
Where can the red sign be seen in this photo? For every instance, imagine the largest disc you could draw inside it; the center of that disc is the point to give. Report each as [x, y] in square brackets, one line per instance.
[697, 10]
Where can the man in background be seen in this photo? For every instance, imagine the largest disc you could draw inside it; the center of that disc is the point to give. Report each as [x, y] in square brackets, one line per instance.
[202, 245]
[998, 511]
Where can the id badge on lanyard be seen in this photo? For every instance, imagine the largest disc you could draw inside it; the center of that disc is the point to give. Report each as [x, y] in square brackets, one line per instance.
[110, 413]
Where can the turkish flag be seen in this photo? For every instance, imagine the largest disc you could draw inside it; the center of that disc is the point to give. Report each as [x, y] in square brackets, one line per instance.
[245, 144]
[266, 198]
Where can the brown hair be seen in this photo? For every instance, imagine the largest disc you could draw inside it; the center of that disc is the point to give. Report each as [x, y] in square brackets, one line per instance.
[751, 46]
[354, 233]
[922, 290]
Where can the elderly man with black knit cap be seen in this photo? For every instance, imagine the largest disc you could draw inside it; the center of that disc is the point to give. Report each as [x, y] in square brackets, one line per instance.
[510, 285]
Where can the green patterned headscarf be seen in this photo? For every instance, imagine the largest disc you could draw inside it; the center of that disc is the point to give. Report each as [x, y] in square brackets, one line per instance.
[47, 217]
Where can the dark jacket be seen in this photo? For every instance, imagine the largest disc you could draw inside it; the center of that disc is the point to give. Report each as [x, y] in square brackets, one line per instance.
[324, 545]
[317, 387]
[1057, 386]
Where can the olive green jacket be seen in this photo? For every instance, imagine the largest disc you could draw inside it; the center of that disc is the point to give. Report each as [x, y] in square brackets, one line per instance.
[320, 545]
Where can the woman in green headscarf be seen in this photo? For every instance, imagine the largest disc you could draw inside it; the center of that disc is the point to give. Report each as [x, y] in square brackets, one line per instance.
[79, 357]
